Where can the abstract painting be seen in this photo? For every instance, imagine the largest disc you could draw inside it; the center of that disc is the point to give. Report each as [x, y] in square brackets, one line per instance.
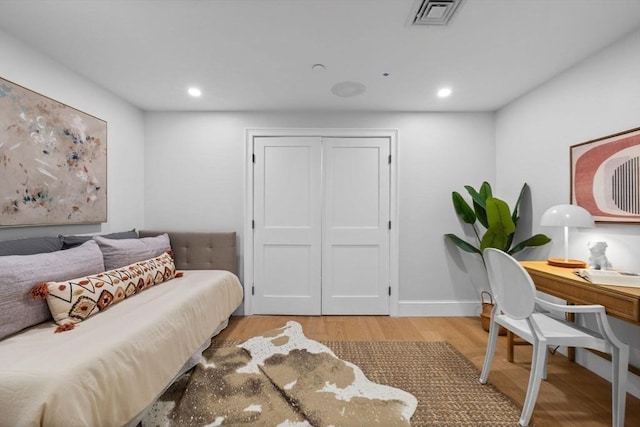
[605, 177]
[53, 161]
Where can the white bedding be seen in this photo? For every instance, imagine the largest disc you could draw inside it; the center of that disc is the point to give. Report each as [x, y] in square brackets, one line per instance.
[114, 364]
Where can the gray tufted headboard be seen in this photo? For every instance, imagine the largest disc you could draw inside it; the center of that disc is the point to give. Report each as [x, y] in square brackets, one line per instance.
[201, 251]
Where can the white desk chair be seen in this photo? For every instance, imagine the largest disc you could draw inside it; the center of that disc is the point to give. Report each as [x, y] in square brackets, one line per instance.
[515, 309]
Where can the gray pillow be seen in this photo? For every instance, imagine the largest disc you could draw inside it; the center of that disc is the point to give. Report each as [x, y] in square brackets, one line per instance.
[30, 246]
[120, 253]
[19, 273]
[71, 241]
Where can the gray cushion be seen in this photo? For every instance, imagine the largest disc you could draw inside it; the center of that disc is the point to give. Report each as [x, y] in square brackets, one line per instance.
[120, 253]
[30, 246]
[71, 241]
[19, 273]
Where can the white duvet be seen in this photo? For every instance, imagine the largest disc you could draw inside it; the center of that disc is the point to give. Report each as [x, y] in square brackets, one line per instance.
[114, 364]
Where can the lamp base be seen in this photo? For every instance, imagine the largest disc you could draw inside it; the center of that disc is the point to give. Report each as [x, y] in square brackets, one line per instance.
[569, 263]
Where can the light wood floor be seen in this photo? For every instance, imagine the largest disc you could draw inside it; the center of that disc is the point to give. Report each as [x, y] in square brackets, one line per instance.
[572, 395]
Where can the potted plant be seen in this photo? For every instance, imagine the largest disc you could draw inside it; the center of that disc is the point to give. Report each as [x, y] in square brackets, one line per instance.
[499, 224]
[497, 220]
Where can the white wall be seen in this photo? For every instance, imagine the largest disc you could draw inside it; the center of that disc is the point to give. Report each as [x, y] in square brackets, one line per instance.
[125, 135]
[194, 180]
[596, 98]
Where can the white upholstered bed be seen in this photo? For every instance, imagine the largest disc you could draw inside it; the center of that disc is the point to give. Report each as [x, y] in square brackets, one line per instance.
[113, 365]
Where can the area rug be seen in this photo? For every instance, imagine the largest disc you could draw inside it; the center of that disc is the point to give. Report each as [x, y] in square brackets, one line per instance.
[444, 382]
[280, 378]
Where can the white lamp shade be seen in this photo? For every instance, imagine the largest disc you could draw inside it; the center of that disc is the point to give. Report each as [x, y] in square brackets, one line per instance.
[567, 216]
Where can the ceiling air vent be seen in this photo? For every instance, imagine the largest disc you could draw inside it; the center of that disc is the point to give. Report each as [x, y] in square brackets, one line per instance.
[433, 12]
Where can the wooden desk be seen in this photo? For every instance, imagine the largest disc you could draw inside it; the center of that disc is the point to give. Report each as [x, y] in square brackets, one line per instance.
[619, 301]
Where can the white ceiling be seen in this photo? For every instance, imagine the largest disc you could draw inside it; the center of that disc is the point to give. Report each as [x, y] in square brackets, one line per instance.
[258, 54]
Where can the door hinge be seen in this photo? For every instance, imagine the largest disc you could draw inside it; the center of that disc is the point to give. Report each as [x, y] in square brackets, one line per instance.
[389, 225]
[253, 158]
[253, 290]
[389, 158]
[389, 290]
[253, 225]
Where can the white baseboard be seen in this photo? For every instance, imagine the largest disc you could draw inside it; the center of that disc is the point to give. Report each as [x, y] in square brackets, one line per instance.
[438, 308]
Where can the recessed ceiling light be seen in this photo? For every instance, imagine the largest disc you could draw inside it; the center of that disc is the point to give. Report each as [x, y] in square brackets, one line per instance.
[195, 92]
[444, 92]
[318, 67]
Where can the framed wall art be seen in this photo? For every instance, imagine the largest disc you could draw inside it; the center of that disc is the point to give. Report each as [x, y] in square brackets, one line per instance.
[53, 161]
[605, 177]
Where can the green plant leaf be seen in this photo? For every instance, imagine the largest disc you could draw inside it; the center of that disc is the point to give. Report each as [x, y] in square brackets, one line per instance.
[537, 240]
[479, 201]
[485, 190]
[481, 214]
[462, 244]
[494, 238]
[515, 217]
[463, 210]
[475, 196]
[499, 216]
[485, 193]
[510, 241]
[500, 225]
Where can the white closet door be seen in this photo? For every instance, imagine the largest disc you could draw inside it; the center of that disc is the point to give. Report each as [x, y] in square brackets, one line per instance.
[355, 267]
[287, 215]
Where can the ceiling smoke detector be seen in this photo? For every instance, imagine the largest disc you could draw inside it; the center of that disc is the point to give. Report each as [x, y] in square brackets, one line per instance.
[433, 12]
[348, 89]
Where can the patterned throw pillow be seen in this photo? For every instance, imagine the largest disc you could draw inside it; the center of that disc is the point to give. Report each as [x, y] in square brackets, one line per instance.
[73, 301]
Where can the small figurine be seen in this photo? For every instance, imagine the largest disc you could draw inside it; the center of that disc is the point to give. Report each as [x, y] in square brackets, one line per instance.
[598, 259]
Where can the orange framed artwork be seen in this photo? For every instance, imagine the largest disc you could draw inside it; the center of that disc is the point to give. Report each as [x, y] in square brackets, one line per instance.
[605, 177]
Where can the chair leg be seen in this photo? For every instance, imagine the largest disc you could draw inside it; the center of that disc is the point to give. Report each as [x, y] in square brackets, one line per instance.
[491, 347]
[619, 363]
[535, 377]
[510, 345]
[544, 363]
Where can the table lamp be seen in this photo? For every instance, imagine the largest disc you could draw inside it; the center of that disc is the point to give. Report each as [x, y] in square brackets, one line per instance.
[566, 216]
